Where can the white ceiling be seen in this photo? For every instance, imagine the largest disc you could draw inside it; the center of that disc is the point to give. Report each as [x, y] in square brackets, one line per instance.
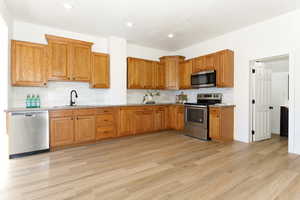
[190, 21]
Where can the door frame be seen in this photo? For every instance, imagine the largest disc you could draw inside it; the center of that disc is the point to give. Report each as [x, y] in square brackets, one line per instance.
[291, 98]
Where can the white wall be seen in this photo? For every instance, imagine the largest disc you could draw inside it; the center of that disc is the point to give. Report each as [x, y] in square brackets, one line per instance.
[266, 39]
[279, 98]
[57, 93]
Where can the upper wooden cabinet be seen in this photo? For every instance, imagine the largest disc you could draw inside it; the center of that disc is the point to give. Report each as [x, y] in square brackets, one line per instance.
[134, 73]
[222, 62]
[100, 76]
[28, 64]
[225, 68]
[69, 60]
[185, 72]
[159, 75]
[141, 74]
[171, 64]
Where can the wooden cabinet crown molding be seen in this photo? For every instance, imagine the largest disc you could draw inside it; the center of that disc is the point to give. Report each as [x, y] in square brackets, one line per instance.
[69, 40]
[181, 58]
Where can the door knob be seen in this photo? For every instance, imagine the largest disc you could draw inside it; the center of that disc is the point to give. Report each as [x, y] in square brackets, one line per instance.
[271, 107]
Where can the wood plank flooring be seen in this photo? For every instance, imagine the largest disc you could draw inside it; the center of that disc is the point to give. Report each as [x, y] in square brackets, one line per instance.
[162, 166]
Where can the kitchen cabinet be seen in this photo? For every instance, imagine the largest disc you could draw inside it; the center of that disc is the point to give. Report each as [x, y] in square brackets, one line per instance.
[69, 60]
[160, 75]
[143, 121]
[171, 64]
[100, 76]
[221, 123]
[135, 73]
[225, 68]
[160, 118]
[84, 128]
[106, 123]
[80, 60]
[69, 127]
[72, 127]
[148, 74]
[176, 117]
[141, 74]
[61, 128]
[204, 63]
[222, 62]
[185, 72]
[28, 64]
[126, 122]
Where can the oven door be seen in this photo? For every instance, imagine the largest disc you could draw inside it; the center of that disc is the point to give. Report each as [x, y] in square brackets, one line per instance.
[196, 122]
[203, 79]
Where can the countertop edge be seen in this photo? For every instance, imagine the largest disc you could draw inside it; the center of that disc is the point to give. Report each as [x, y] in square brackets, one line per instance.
[10, 110]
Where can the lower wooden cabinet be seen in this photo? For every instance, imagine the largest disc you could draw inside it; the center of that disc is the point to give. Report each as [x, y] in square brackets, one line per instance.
[106, 123]
[73, 127]
[176, 117]
[126, 126]
[160, 118]
[143, 121]
[62, 131]
[84, 128]
[221, 123]
[68, 127]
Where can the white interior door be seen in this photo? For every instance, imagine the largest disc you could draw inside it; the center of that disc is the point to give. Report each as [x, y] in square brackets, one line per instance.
[262, 79]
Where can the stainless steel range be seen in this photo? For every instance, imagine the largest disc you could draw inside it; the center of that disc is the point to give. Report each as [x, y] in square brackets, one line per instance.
[197, 115]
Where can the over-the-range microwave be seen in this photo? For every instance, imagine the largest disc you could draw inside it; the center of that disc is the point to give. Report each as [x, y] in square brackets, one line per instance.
[203, 79]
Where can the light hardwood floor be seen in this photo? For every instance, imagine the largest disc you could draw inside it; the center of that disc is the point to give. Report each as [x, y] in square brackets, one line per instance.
[162, 166]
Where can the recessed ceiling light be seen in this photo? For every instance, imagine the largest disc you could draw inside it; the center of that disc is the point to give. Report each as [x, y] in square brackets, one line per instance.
[68, 6]
[171, 35]
[129, 24]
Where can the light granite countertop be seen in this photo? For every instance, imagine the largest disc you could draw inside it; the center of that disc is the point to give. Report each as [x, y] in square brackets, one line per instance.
[222, 105]
[20, 109]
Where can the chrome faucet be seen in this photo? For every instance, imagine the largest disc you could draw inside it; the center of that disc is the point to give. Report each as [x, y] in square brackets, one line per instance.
[72, 102]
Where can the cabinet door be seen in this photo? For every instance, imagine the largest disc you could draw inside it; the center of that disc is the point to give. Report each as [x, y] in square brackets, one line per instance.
[159, 75]
[134, 74]
[80, 62]
[180, 118]
[100, 76]
[185, 72]
[171, 66]
[159, 120]
[199, 64]
[148, 75]
[84, 128]
[62, 131]
[214, 124]
[225, 69]
[58, 60]
[28, 64]
[143, 121]
[126, 122]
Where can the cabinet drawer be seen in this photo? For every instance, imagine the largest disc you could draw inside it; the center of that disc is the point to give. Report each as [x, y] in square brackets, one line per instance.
[81, 112]
[104, 111]
[105, 132]
[214, 111]
[104, 120]
[61, 113]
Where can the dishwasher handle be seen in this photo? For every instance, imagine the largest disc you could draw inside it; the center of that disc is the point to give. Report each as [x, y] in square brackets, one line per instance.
[28, 114]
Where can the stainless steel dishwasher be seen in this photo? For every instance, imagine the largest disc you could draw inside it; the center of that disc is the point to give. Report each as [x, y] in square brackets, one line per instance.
[28, 133]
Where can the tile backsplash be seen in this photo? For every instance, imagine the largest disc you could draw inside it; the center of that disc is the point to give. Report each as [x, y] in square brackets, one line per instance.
[136, 96]
[58, 94]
